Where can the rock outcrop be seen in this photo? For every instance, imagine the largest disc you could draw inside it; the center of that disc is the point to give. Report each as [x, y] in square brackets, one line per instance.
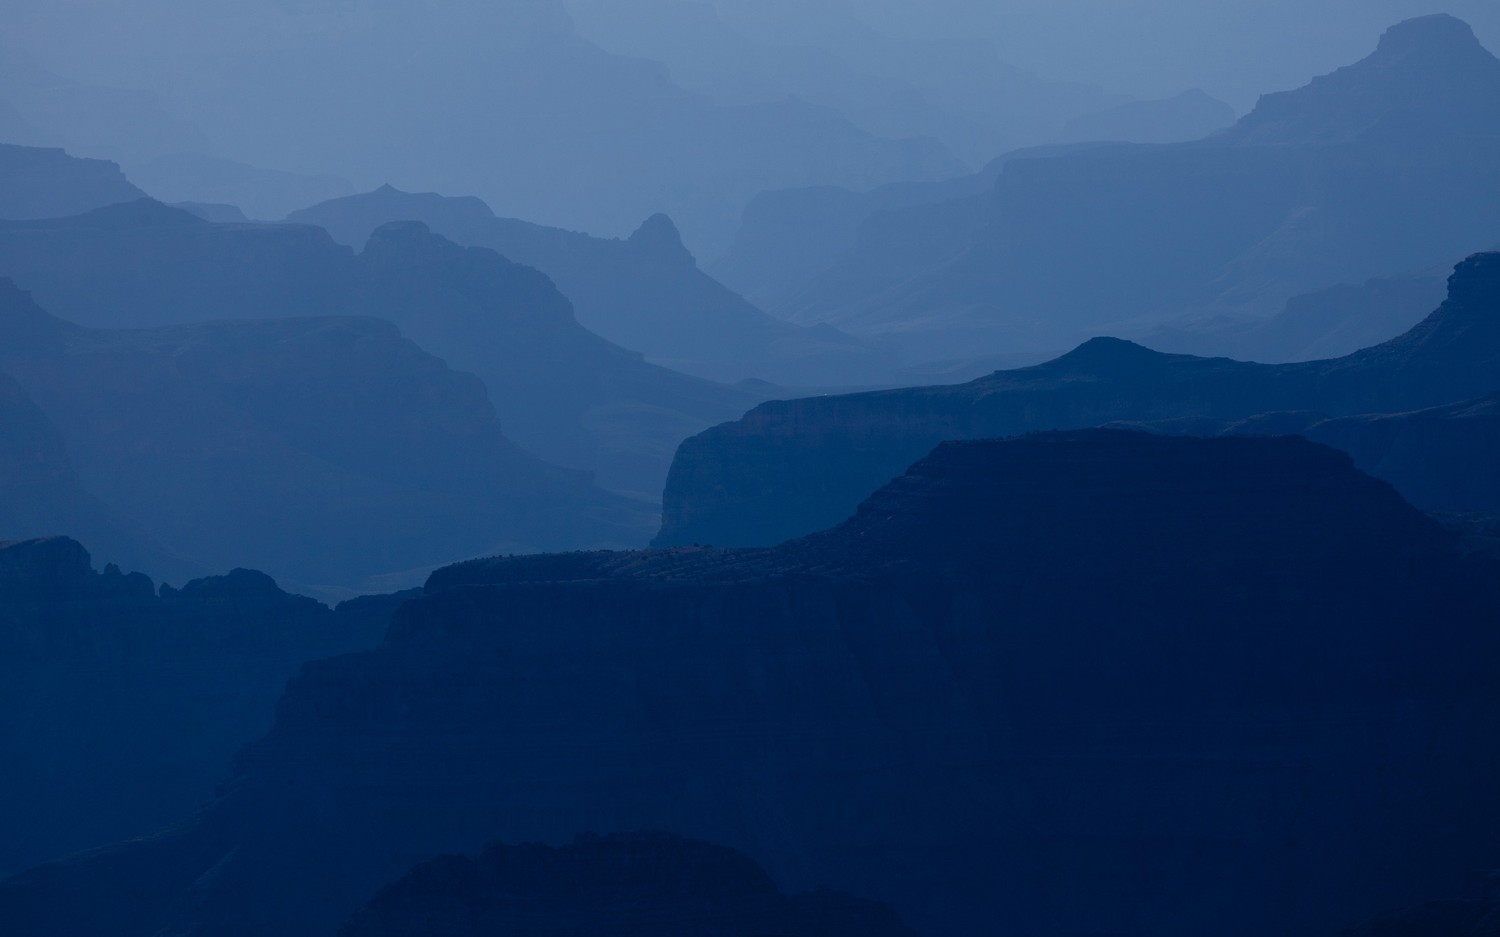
[791, 467]
[38, 182]
[122, 705]
[1070, 683]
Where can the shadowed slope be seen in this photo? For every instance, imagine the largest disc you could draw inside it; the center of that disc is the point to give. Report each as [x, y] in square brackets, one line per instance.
[1070, 683]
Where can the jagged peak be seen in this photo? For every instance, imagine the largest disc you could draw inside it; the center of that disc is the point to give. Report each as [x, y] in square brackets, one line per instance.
[1428, 77]
[658, 236]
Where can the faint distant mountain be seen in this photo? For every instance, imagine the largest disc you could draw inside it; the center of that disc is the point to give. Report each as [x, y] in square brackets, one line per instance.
[611, 886]
[789, 237]
[329, 451]
[1324, 323]
[1074, 683]
[644, 292]
[959, 91]
[48, 183]
[561, 391]
[92, 120]
[122, 706]
[791, 467]
[1191, 115]
[517, 109]
[261, 193]
[1390, 164]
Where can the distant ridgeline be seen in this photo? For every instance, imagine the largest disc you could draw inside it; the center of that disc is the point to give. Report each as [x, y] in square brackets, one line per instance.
[792, 467]
[1388, 165]
[561, 391]
[1083, 682]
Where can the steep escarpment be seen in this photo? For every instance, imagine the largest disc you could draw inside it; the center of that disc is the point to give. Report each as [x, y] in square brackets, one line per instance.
[1068, 683]
[644, 883]
[37, 182]
[125, 703]
[791, 467]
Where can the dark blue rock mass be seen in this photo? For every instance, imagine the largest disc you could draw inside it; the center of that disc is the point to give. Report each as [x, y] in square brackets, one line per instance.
[749, 468]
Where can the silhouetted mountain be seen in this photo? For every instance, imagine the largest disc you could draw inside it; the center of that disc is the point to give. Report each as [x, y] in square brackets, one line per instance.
[622, 885]
[959, 91]
[791, 467]
[122, 706]
[1390, 164]
[644, 292]
[43, 183]
[1428, 79]
[51, 110]
[1191, 115]
[1070, 683]
[561, 391]
[326, 450]
[517, 109]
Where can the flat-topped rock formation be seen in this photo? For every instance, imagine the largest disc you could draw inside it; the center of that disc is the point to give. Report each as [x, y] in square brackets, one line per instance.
[41, 182]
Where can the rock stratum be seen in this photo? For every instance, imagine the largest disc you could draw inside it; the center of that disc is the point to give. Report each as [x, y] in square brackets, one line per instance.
[1086, 682]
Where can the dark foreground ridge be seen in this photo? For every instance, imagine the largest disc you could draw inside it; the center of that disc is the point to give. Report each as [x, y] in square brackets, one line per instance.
[791, 467]
[125, 702]
[623, 885]
[1085, 682]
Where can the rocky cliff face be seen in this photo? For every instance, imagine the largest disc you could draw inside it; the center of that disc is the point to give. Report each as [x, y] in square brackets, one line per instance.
[335, 450]
[624, 884]
[37, 182]
[791, 467]
[122, 706]
[1071, 683]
